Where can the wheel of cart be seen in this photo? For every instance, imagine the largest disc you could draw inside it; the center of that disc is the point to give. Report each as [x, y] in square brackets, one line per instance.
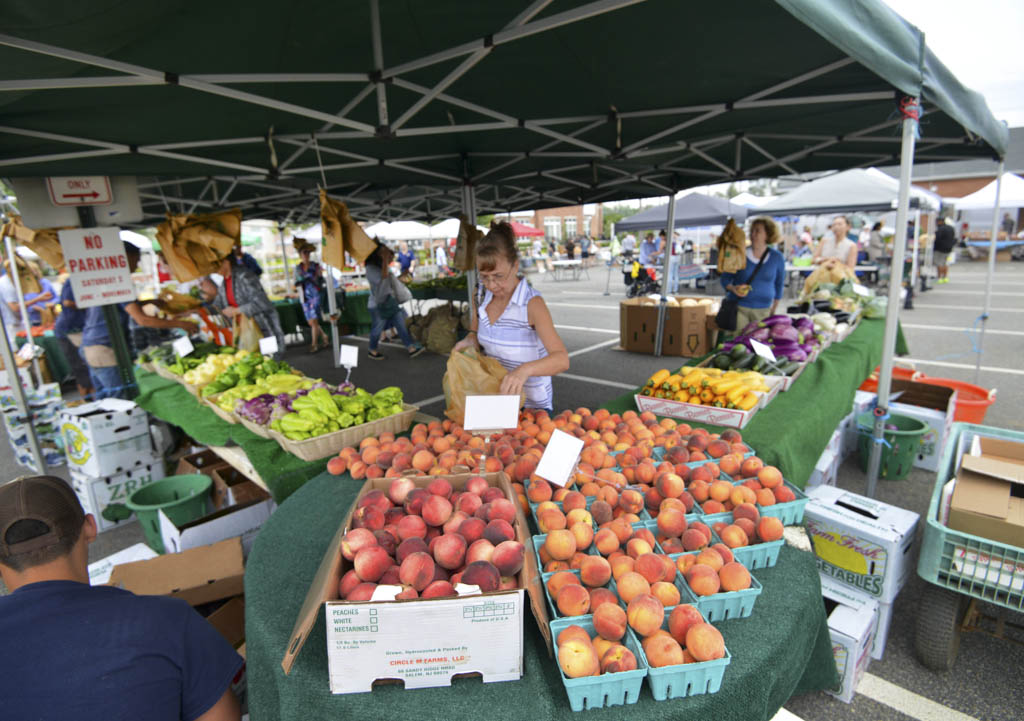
[963, 569]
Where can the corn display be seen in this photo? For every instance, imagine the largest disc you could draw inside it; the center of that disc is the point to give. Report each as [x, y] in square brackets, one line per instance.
[707, 387]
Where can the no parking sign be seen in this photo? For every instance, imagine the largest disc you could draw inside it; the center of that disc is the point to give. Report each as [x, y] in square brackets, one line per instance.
[97, 265]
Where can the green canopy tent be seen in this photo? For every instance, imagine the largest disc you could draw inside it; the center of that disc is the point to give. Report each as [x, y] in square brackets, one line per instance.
[418, 111]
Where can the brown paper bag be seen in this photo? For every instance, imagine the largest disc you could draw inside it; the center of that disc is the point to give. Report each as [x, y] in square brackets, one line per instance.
[470, 374]
[246, 333]
[44, 243]
[341, 233]
[465, 244]
[193, 245]
[732, 248]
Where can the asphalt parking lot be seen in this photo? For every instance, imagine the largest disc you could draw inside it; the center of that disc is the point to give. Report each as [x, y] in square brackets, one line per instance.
[986, 682]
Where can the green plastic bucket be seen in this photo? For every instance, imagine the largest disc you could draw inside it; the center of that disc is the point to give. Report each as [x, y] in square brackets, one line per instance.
[898, 457]
[181, 498]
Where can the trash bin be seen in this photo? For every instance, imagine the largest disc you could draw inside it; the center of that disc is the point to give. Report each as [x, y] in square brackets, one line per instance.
[972, 401]
[181, 498]
[904, 441]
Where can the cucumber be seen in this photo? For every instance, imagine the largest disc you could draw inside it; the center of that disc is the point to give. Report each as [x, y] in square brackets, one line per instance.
[722, 361]
[744, 363]
[738, 351]
[790, 368]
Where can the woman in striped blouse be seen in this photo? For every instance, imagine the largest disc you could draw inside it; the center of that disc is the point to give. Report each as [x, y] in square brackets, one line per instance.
[513, 324]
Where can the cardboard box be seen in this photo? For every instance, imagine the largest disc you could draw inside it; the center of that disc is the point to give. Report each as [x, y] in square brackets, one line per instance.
[367, 642]
[882, 634]
[988, 498]
[825, 470]
[229, 620]
[231, 487]
[99, 571]
[243, 521]
[106, 437]
[96, 494]
[198, 575]
[204, 462]
[934, 405]
[686, 330]
[852, 625]
[731, 417]
[861, 542]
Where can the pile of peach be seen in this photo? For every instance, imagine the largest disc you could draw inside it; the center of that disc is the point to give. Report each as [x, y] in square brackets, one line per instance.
[688, 639]
[429, 539]
[712, 571]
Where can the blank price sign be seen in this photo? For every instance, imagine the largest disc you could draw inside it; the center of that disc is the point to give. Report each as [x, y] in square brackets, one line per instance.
[491, 413]
[559, 457]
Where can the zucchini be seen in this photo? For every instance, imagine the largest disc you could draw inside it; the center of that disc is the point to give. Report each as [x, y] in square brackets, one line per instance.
[722, 361]
[745, 363]
[789, 368]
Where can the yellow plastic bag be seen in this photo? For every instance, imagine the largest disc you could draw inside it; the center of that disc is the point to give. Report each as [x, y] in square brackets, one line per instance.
[246, 333]
[469, 374]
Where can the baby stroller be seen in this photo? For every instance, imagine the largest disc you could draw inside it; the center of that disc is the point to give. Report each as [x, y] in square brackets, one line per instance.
[638, 279]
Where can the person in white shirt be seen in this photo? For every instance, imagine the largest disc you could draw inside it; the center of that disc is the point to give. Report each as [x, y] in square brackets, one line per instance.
[838, 245]
[629, 243]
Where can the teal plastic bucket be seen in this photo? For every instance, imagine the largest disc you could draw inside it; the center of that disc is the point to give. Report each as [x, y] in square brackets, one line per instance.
[904, 443]
[181, 498]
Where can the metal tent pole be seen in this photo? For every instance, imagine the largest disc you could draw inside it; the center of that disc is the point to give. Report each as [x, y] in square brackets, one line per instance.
[332, 311]
[611, 261]
[469, 210]
[915, 270]
[25, 320]
[929, 253]
[284, 256]
[666, 264]
[991, 269]
[14, 378]
[893, 309]
[156, 271]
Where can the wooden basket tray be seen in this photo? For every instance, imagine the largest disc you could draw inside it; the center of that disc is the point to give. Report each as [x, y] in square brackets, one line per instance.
[329, 444]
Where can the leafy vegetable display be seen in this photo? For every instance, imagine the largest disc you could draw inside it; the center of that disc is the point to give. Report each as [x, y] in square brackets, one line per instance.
[249, 369]
[320, 411]
[164, 355]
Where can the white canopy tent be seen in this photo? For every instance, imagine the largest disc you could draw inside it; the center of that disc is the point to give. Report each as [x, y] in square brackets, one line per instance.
[857, 189]
[399, 230]
[446, 228]
[1011, 195]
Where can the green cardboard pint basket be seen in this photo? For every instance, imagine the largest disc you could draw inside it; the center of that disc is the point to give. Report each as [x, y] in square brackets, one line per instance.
[181, 498]
[903, 444]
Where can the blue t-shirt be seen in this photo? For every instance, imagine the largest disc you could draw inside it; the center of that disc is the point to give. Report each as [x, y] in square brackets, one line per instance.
[70, 320]
[95, 331]
[82, 652]
[33, 311]
[767, 286]
[405, 260]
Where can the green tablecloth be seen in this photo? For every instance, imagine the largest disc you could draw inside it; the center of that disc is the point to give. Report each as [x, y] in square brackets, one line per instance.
[352, 306]
[60, 368]
[168, 400]
[782, 649]
[793, 430]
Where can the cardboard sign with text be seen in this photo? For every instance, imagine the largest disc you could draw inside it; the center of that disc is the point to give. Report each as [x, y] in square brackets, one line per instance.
[97, 265]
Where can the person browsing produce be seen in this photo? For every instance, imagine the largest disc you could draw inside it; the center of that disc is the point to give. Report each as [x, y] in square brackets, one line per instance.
[838, 245]
[757, 301]
[513, 324]
[241, 293]
[385, 309]
[309, 278]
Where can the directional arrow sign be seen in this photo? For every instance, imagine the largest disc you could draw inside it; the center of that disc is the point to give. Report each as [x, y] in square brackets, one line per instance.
[80, 190]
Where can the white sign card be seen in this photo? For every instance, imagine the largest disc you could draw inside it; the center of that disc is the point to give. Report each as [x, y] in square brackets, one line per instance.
[97, 265]
[762, 350]
[861, 290]
[268, 345]
[559, 457]
[349, 356]
[80, 190]
[491, 413]
[182, 346]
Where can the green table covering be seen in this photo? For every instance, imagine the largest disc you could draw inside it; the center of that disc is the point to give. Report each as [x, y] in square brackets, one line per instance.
[351, 304]
[792, 431]
[60, 368]
[168, 400]
[781, 649]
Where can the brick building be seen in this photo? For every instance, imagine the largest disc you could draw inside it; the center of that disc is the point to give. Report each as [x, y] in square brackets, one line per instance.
[561, 223]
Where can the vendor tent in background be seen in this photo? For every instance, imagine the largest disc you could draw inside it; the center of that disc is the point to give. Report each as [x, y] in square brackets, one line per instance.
[398, 230]
[693, 210]
[1011, 195]
[850, 191]
[522, 230]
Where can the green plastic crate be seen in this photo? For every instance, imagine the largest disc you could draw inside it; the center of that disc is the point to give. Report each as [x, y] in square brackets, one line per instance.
[996, 574]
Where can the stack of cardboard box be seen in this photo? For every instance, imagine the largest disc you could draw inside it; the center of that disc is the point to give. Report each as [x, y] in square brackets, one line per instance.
[44, 405]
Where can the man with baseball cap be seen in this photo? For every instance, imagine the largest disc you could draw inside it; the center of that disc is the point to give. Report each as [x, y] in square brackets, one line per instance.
[84, 652]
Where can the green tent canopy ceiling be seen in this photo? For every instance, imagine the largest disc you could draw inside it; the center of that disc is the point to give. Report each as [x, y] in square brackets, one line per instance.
[395, 106]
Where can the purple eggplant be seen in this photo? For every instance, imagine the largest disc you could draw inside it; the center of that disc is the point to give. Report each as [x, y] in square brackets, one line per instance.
[749, 328]
[807, 348]
[774, 320]
[804, 324]
[780, 332]
[795, 354]
[761, 334]
[257, 409]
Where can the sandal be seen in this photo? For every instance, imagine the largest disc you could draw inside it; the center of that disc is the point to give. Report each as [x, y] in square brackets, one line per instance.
[413, 352]
[375, 355]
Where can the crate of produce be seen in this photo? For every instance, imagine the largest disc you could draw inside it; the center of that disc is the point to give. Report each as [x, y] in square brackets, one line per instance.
[789, 512]
[545, 577]
[211, 403]
[161, 370]
[606, 689]
[261, 431]
[313, 449]
[759, 554]
[687, 679]
[726, 605]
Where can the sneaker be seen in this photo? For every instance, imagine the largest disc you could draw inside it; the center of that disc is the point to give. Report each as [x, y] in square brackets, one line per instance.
[416, 350]
[375, 355]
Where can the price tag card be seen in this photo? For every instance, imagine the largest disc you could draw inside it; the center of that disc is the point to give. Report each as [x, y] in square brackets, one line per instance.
[491, 413]
[268, 345]
[559, 459]
[182, 346]
[861, 290]
[762, 350]
[349, 356]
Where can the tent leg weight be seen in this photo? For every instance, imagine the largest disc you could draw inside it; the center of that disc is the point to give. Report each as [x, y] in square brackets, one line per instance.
[940, 615]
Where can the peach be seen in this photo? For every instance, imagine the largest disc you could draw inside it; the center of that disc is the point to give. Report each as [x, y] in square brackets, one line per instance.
[734, 577]
[561, 545]
[499, 530]
[477, 485]
[670, 485]
[672, 522]
[349, 581]
[742, 494]
[637, 547]
[595, 571]
[502, 509]
[423, 460]
[765, 497]
[663, 650]
[703, 580]
[479, 550]
[600, 596]
[356, 540]
[553, 566]
[417, 570]
[733, 536]
[468, 503]
[610, 621]
[746, 510]
[482, 574]
[685, 562]
[454, 522]
[769, 528]
[783, 494]
[724, 551]
[720, 491]
[649, 639]
[650, 567]
[718, 448]
[584, 534]
[472, 529]
[630, 585]
[579, 515]
[386, 540]
[693, 539]
[436, 510]
[750, 467]
[391, 577]
[450, 552]
[645, 614]
[681, 619]
[438, 589]
[362, 592]
[559, 580]
[703, 528]
[618, 658]
[672, 545]
[399, 490]
[440, 487]
[710, 557]
[371, 562]
[631, 501]
[601, 511]
[622, 528]
[705, 642]
[769, 477]
[414, 501]
[748, 527]
[666, 593]
[551, 519]
[572, 632]
[578, 658]
[620, 565]
[573, 600]
[508, 557]
[409, 546]
[605, 541]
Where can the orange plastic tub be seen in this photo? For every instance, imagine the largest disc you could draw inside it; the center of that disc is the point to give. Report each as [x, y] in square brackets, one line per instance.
[972, 401]
[870, 383]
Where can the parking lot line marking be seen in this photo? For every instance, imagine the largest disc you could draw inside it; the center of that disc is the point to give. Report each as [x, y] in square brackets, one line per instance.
[592, 330]
[589, 348]
[428, 401]
[583, 305]
[907, 702]
[599, 381]
[943, 291]
[966, 308]
[945, 328]
[967, 366]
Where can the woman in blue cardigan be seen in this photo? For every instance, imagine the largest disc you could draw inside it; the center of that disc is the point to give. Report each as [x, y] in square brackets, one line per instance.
[757, 301]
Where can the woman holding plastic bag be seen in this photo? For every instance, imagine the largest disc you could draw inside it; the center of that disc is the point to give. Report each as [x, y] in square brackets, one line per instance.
[386, 295]
[513, 324]
[241, 298]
